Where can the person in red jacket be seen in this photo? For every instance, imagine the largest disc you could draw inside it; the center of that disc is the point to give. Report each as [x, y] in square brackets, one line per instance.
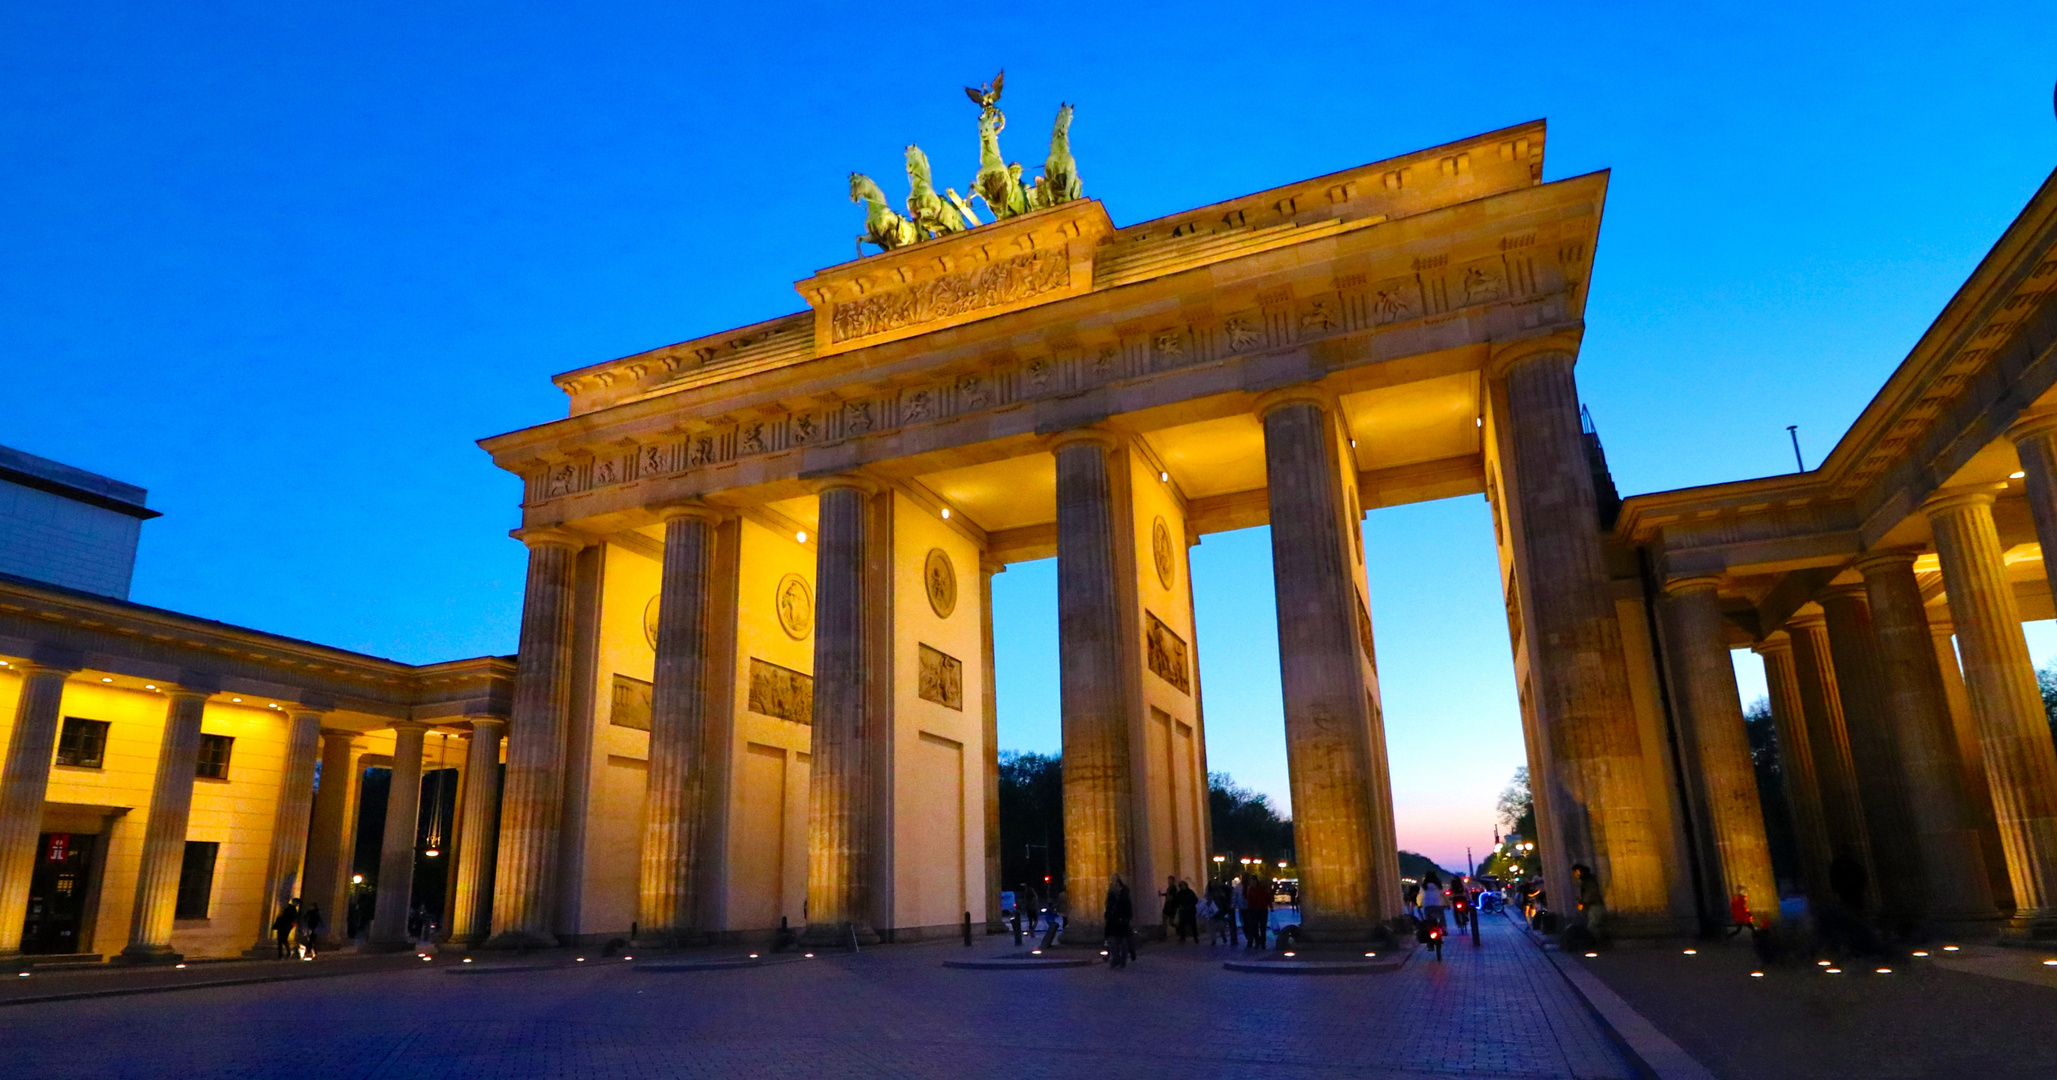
[1256, 910]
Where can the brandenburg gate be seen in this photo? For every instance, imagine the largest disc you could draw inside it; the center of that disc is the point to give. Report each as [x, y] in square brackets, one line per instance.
[758, 636]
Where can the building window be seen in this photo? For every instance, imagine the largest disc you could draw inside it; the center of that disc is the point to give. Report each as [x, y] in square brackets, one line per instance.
[196, 879]
[214, 757]
[82, 742]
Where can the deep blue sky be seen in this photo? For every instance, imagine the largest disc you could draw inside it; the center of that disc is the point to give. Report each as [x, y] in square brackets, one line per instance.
[281, 264]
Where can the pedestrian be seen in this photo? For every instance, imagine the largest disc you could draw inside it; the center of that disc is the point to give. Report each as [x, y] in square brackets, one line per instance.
[1211, 914]
[310, 928]
[1032, 902]
[282, 927]
[1188, 913]
[1168, 903]
[1588, 923]
[1256, 911]
[1239, 906]
[1119, 917]
[1060, 912]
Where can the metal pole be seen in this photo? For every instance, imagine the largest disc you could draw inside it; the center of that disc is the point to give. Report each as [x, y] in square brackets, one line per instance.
[1794, 431]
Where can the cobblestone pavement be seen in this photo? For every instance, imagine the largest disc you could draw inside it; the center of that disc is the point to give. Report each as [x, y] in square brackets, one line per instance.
[1494, 1011]
[1984, 1012]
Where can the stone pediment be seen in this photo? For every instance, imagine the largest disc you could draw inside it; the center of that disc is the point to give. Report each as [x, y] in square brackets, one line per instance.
[994, 269]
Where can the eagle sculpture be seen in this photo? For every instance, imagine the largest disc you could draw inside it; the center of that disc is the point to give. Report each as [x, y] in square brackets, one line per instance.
[988, 95]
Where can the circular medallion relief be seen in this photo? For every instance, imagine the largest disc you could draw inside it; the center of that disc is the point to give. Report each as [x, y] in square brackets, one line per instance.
[941, 579]
[795, 603]
[650, 622]
[1160, 548]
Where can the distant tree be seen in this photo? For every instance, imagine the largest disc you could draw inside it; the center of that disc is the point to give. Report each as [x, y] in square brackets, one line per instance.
[1518, 806]
[2046, 681]
[1245, 824]
[1031, 819]
[1771, 794]
[1417, 866]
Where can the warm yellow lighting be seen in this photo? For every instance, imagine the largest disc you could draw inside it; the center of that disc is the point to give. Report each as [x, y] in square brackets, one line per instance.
[1885, 971]
[1949, 948]
[2050, 963]
[2016, 475]
[628, 958]
[467, 959]
[149, 686]
[1756, 974]
[1164, 478]
[1692, 952]
[1282, 864]
[946, 513]
[753, 956]
[106, 680]
[1371, 954]
[810, 956]
[1478, 421]
[801, 536]
[1921, 952]
[1039, 952]
[1592, 954]
[274, 704]
[357, 879]
[425, 959]
[1221, 858]
[1823, 963]
[1835, 971]
[431, 853]
[580, 959]
[235, 699]
[178, 965]
[1289, 954]
[24, 974]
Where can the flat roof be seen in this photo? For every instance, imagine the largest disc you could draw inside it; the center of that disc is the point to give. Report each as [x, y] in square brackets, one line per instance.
[58, 478]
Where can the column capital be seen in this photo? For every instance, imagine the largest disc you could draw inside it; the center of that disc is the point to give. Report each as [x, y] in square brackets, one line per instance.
[1808, 621]
[850, 481]
[411, 725]
[1853, 591]
[478, 722]
[990, 566]
[1876, 561]
[1957, 500]
[689, 511]
[1778, 641]
[1100, 437]
[26, 668]
[2029, 426]
[1692, 583]
[180, 693]
[298, 711]
[1941, 628]
[1314, 394]
[549, 536]
[1514, 354]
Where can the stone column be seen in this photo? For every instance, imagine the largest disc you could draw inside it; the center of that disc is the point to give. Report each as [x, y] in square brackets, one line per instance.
[839, 798]
[1329, 756]
[1601, 812]
[1796, 762]
[2021, 763]
[1919, 735]
[1099, 837]
[1978, 794]
[22, 788]
[1712, 713]
[525, 871]
[396, 850]
[2035, 443]
[289, 823]
[326, 865]
[1888, 822]
[164, 834]
[1828, 744]
[668, 908]
[990, 706]
[479, 832]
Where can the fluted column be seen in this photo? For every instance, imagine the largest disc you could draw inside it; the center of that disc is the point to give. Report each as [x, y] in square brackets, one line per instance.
[1601, 810]
[525, 872]
[396, 850]
[164, 834]
[479, 831]
[673, 809]
[839, 799]
[1888, 822]
[1712, 710]
[289, 821]
[1322, 668]
[2021, 763]
[990, 708]
[325, 856]
[2035, 443]
[1828, 744]
[1972, 757]
[1099, 834]
[22, 789]
[1919, 735]
[1796, 762]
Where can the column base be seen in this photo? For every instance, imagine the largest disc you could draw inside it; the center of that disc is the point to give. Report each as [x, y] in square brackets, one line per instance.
[519, 939]
[837, 935]
[2032, 931]
[671, 939]
[149, 955]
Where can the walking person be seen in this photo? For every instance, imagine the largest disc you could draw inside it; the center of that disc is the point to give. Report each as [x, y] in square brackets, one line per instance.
[310, 928]
[1168, 904]
[1188, 913]
[1256, 911]
[1119, 917]
[1031, 902]
[1238, 917]
[1060, 910]
[283, 926]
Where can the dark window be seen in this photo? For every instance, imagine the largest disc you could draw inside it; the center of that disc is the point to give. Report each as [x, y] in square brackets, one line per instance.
[214, 757]
[82, 742]
[196, 879]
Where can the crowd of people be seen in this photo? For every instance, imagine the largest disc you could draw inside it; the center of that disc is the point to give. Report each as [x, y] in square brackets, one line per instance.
[1235, 911]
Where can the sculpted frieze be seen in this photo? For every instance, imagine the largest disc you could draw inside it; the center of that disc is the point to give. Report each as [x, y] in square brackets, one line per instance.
[1003, 281]
[1072, 367]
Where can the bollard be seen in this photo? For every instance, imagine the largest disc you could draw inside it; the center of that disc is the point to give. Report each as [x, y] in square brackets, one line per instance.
[967, 929]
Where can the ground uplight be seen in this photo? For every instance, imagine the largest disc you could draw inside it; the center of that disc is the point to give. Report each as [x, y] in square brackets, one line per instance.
[1289, 954]
[1835, 971]
[1592, 954]
[1756, 974]
[1885, 971]
[753, 956]
[1949, 948]
[1692, 952]
[1921, 952]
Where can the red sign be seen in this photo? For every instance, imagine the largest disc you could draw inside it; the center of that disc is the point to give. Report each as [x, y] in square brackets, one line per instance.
[60, 846]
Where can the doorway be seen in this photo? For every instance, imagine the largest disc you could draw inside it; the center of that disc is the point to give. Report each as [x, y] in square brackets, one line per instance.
[58, 889]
